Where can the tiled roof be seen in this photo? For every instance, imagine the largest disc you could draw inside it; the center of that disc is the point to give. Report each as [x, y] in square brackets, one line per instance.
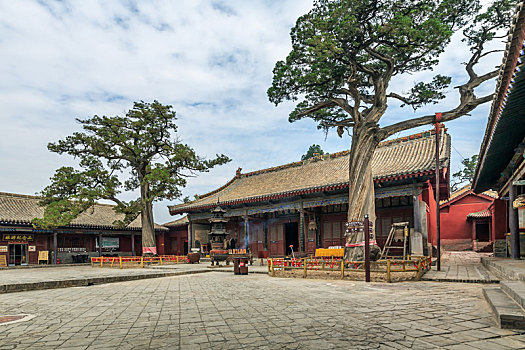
[467, 190]
[480, 214]
[21, 209]
[179, 222]
[404, 157]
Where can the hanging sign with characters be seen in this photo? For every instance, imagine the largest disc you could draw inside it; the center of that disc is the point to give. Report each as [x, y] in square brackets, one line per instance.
[18, 237]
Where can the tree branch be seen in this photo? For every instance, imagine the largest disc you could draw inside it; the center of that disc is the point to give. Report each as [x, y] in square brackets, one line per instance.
[461, 110]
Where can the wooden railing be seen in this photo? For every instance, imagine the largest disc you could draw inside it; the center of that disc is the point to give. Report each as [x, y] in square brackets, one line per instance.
[418, 264]
[137, 261]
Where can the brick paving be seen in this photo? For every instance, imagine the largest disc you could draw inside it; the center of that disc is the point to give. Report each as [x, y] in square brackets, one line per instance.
[223, 311]
[461, 267]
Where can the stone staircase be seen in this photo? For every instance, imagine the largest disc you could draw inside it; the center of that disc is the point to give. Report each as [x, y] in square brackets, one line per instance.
[508, 300]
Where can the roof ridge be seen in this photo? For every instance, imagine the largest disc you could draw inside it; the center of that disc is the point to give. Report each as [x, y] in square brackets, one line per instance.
[328, 156]
[18, 195]
[29, 196]
[413, 137]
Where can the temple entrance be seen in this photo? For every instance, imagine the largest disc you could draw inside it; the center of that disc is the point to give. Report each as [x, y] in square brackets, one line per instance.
[482, 231]
[291, 237]
[18, 254]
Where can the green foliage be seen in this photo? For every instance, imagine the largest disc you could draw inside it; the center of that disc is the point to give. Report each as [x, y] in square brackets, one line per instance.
[313, 150]
[466, 174]
[140, 143]
[345, 52]
[424, 93]
[485, 25]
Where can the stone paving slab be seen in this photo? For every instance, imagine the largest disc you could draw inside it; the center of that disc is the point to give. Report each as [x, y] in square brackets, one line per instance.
[255, 268]
[463, 267]
[223, 311]
[74, 276]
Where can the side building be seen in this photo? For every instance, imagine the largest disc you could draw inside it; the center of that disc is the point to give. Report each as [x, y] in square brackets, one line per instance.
[472, 221]
[174, 241]
[304, 204]
[91, 234]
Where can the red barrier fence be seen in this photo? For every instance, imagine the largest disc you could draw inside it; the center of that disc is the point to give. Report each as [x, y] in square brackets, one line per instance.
[418, 264]
[137, 261]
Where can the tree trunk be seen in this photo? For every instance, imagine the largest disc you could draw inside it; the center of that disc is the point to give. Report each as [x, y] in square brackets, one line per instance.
[361, 197]
[149, 246]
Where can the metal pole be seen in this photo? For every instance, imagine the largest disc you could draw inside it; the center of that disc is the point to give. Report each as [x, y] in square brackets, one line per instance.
[133, 244]
[438, 231]
[514, 224]
[366, 234]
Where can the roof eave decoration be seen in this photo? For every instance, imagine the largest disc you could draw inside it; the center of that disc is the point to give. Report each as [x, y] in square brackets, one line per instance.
[511, 66]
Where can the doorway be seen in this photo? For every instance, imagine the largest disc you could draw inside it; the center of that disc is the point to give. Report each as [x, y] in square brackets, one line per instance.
[18, 254]
[483, 231]
[291, 237]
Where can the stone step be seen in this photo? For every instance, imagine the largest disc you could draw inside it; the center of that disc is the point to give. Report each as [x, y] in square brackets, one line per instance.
[516, 290]
[507, 312]
[507, 269]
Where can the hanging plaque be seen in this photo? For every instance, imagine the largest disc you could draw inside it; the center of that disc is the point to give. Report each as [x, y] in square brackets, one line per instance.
[18, 237]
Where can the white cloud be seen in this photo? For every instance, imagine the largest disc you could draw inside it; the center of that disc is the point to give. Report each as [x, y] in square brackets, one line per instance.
[211, 60]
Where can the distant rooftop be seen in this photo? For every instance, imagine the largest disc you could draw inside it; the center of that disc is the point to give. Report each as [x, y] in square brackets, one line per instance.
[21, 209]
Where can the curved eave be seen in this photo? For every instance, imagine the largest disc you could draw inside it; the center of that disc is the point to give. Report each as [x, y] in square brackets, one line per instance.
[504, 130]
[174, 210]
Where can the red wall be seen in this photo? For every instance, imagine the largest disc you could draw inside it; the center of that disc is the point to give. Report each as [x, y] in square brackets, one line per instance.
[173, 242]
[454, 223]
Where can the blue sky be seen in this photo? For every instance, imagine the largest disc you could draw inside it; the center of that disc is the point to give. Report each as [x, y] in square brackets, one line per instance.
[211, 60]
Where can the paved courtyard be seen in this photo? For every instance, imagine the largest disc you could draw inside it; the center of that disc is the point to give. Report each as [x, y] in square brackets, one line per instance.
[462, 266]
[222, 311]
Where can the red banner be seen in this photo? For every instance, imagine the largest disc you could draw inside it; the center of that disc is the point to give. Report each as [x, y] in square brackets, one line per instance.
[360, 244]
[149, 250]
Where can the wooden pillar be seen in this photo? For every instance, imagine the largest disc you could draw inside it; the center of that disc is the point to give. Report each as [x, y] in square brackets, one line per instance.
[317, 218]
[133, 244]
[302, 245]
[415, 200]
[55, 247]
[514, 224]
[246, 231]
[100, 244]
[190, 238]
[265, 232]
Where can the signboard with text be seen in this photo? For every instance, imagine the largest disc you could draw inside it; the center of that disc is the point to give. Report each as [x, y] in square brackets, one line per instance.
[18, 237]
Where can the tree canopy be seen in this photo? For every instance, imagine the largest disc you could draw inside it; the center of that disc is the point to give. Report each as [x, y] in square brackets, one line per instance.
[466, 174]
[345, 53]
[313, 150]
[140, 146]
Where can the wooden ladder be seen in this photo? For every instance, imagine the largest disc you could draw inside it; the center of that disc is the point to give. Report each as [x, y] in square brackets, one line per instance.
[390, 238]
